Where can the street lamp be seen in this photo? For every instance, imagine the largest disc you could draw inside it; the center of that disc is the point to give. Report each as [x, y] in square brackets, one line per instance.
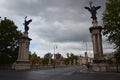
[55, 47]
[80, 60]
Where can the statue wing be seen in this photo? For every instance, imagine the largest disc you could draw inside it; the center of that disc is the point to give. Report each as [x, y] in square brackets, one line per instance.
[29, 21]
[87, 8]
[98, 7]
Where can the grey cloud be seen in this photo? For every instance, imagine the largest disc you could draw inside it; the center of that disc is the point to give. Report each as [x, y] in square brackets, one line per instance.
[64, 32]
[70, 13]
[35, 7]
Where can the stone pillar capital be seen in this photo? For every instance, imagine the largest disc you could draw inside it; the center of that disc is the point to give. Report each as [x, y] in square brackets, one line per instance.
[95, 23]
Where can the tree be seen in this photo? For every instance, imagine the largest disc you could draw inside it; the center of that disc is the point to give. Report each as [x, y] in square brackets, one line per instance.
[111, 21]
[70, 57]
[48, 55]
[67, 55]
[46, 59]
[8, 41]
[34, 58]
[66, 61]
[73, 57]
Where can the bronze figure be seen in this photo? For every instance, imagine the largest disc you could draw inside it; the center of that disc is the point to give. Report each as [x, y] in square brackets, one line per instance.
[93, 10]
[26, 23]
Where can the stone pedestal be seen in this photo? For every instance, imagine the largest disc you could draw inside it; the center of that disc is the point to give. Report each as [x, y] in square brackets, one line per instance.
[80, 61]
[74, 62]
[23, 55]
[70, 63]
[49, 63]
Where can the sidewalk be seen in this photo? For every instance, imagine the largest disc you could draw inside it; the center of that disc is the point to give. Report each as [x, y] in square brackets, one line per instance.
[86, 70]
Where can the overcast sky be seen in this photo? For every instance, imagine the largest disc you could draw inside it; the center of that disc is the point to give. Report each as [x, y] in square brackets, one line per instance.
[64, 23]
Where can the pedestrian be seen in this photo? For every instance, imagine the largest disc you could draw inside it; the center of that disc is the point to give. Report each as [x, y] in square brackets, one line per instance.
[88, 65]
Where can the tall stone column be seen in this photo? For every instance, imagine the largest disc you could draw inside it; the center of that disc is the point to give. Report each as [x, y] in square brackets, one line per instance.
[100, 43]
[23, 54]
[49, 63]
[95, 30]
[94, 43]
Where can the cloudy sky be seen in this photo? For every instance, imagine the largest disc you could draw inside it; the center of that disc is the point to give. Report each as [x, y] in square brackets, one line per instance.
[64, 23]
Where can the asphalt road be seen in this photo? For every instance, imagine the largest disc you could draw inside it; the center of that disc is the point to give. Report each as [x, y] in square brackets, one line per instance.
[69, 73]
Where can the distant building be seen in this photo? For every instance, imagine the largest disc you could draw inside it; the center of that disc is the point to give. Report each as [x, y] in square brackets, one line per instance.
[40, 61]
[58, 59]
[84, 60]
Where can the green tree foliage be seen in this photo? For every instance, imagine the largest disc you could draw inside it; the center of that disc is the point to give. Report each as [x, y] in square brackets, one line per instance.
[67, 55]
[8, 41]
[48, 55]
[111, 21]
[66, 61]
[34, 58]
[71, 58]
[46, 58]
[45, 61]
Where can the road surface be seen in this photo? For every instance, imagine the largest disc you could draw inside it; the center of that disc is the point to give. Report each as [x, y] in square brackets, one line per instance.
[68, 73]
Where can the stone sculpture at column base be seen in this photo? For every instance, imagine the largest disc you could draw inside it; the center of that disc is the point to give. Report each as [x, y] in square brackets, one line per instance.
[23, 62]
